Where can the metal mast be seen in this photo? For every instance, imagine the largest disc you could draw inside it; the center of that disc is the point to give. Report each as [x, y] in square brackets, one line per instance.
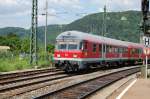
[33, 41]
[146, 30]
[104, 29]
[145, 13]
[46, 13]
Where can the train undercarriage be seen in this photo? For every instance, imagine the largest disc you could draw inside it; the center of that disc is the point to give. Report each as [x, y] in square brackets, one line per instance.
[75, 66]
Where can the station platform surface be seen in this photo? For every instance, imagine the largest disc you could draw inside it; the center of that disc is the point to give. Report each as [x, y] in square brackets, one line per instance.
[137, 89]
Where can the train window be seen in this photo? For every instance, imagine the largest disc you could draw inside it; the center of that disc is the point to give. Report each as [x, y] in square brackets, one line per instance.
[116, 50]
[104, 46]
[136, 51]
[107, 48]
[124, 50]
[100, 48]
[94, 47]
[62, 46]
[72, 46]
[133, 51]
[120, 50]
[141, 51]
[85, 45]
[81, 46]
[110, 49]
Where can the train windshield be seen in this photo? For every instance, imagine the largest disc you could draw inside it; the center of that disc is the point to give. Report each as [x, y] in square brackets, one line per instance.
[67, 45]
[72, 46]
[62, 46]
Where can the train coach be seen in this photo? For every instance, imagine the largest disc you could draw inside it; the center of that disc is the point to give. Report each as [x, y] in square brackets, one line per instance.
[77, 50]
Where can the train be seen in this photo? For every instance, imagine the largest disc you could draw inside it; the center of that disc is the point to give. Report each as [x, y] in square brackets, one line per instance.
[77, 50]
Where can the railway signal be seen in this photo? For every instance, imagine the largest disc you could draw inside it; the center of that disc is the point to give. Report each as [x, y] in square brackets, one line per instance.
[146, 41]
[146, 51]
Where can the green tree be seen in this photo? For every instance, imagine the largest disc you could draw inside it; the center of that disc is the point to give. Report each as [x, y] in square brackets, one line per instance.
[11, 40]
[50, 48]
[25, 45]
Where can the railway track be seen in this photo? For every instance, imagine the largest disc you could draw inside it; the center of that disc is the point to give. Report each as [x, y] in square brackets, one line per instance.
[22, 85]
[25, 73]
[84, 89]
[14, 83]
[29, 77]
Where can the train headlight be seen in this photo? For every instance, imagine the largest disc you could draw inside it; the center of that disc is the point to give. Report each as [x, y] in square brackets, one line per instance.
[74, 55]
[58, 55]
[66, 55]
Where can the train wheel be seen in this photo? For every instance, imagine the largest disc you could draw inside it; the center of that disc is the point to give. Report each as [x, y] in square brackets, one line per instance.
[68, 68]
[76, 68]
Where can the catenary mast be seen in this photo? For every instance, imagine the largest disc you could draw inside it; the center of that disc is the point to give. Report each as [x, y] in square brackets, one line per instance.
[33, 40]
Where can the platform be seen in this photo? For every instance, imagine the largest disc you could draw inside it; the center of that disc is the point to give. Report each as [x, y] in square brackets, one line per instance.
[137, 89]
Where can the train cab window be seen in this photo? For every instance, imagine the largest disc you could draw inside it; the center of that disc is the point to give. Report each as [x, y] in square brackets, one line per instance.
[72, 46]
[62, 46]
[94, 47]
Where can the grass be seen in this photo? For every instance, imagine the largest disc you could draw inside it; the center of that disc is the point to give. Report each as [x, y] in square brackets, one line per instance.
[14, 63]
[11, 64]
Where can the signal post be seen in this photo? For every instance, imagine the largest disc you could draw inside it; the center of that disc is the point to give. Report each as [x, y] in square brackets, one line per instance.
[146, 38]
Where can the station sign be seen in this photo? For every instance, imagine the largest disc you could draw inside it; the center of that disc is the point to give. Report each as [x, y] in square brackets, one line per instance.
[146, 41]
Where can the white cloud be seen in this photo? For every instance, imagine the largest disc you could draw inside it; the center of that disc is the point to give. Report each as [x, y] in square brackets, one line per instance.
[70, 4]
[8, 2]
[118, 5]
[64, 2]
[18, 12]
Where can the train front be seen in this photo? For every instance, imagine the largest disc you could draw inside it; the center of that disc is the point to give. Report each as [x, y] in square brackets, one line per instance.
[68, 52]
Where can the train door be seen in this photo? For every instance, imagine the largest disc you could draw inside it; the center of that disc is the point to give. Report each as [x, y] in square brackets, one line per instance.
[120, 52]
[103, 51]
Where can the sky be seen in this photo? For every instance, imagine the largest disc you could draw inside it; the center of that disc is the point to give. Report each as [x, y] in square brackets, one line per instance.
[17, 13]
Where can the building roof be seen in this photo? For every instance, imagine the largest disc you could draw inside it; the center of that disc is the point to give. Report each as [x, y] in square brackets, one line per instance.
[4, 47]
[95, 38]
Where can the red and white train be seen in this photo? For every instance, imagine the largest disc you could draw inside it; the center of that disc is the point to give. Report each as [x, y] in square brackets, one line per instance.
[77, 50]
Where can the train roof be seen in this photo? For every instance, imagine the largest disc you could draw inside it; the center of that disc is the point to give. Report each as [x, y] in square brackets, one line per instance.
[95, 38]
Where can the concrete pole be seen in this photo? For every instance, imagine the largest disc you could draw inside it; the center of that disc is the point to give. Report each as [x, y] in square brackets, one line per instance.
[146, 67]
